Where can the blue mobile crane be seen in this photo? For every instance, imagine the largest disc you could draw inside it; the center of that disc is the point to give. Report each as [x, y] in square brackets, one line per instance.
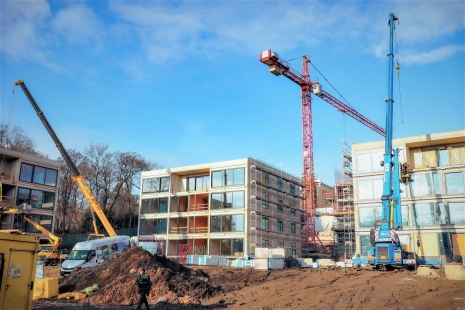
[387, 251]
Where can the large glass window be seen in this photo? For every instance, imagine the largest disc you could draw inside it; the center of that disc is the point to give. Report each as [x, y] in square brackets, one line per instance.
[35, 198]
[227, 223]
[198, 183]
[230, 247]
[154, 205]
[455, 183]
[43, 220]
[228, 200]
[26, 173]
[457, 212]
[370, 189]
[280, 226]
[38, 175]
[292, 188]
[439, 156]
[365, 245]
[280, 205]
[429, 213]
[155, 185]
[368, 215]
[437, 183]
[279, 182]
[369, 162]
[228, 177]
[421, 185]
[152, 227]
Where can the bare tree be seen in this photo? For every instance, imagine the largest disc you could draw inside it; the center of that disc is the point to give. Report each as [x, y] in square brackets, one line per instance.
[16, 139]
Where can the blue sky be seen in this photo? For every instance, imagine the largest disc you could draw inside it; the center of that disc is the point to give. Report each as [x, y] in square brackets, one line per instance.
[180, 83]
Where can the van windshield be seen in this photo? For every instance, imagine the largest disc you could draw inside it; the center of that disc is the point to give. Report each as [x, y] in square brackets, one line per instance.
[78, 254]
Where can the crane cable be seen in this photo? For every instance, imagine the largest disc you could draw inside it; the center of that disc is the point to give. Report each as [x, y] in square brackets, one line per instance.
[331, 85]
[398, 77]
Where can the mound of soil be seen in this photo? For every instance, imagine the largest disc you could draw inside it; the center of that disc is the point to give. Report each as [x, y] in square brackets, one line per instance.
[171, 281]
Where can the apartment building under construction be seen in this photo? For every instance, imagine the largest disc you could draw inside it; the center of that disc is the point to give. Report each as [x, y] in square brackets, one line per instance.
[432, 193]
[223, 208]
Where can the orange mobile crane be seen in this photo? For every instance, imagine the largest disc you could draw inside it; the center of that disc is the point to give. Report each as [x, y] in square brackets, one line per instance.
[77, 177]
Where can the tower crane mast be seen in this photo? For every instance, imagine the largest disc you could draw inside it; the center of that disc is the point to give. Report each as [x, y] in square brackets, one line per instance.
[279, 66]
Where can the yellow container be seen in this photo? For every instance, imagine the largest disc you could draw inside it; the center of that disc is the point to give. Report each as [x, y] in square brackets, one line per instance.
[46, 288]
[19, 256]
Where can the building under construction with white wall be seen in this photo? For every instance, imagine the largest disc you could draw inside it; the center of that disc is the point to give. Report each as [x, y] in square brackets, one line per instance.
[433, 193]
[223, 208]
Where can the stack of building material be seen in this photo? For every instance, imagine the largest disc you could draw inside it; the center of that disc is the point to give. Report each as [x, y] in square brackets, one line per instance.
[206, 260]
[277, 256]
[261, 258]
[306, 262]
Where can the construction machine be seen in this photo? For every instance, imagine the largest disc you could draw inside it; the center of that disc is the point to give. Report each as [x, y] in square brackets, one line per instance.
[48, 252]
[76, 176]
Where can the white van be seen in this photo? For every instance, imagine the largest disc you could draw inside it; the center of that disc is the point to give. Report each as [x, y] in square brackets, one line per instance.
[93, 252]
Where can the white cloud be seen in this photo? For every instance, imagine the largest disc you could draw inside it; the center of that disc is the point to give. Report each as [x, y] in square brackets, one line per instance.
[21, 30]
[77, 24]
[431, 56]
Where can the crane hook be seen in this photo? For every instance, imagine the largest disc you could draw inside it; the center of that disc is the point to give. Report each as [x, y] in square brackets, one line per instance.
[398, 69]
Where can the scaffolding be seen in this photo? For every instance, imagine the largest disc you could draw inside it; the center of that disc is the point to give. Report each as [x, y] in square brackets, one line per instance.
[343, 211]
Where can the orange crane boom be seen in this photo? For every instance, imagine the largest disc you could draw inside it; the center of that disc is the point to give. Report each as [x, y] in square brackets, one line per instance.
[279, 66]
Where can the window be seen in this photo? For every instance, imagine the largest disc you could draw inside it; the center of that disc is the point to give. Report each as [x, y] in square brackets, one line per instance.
[266, 178]
[43, 220]
[292, 188]
[265, 204]
[292, 211]
[428, 214]
[370, 189]
[369, 162]
[155, 185]
[280, 183]
[26, 173]
[280, 244]
[228, 247]
[38, 175]
[455, 183]
[368, 215]
[421, 185]
[154, 205]
[198, 183]
[293, 228]
[293, 249]
[457, 212]
[152, 227]
[265, 222]
[227, 223]
[302, 217]
[280, 205]
[35, 198]
[280, 226]
[365, 245]
[228, 177]
[265, 242]
[440, 156]
[228, 200]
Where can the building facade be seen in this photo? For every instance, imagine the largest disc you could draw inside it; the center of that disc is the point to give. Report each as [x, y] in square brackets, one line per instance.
[28, 182]
[432, 193]
[223, 208]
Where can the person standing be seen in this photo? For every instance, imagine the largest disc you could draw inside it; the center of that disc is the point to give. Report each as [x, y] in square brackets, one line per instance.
[143, 282]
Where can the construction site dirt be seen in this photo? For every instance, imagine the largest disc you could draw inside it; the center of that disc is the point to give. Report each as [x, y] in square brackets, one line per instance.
[207, 287]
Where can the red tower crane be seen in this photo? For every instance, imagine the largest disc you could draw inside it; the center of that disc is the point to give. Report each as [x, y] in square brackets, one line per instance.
[279, 66]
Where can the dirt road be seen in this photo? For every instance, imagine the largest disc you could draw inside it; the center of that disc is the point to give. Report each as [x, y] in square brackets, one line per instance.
[306, 289]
